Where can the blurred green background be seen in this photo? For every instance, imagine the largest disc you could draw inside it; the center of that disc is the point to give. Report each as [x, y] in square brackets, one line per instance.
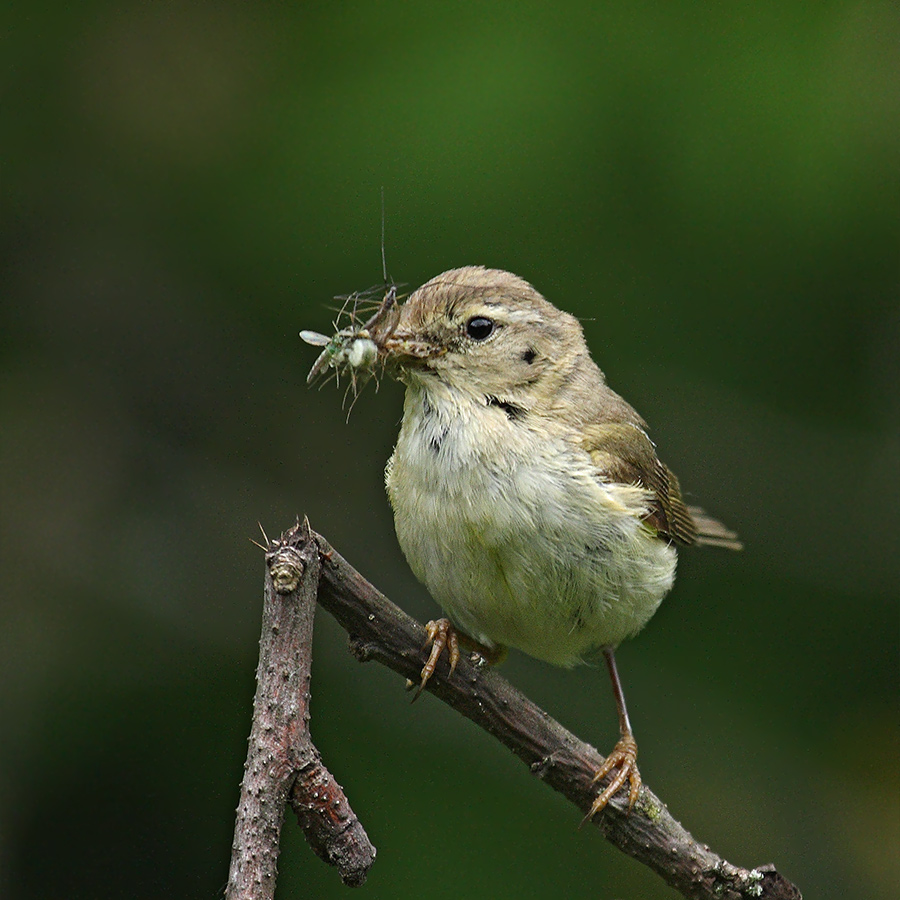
[712, 188]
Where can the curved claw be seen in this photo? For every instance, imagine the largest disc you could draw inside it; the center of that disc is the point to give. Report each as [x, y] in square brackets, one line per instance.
[623, 758]
[441, 635]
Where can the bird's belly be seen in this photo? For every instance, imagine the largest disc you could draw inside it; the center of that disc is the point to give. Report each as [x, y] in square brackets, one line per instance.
[538, 556]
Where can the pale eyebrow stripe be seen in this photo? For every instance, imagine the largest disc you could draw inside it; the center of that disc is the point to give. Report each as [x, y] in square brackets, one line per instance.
[525, 315]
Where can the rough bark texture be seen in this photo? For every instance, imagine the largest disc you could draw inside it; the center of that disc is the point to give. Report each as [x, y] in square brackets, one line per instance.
[282, 762]
[381, 631]
[283, 765]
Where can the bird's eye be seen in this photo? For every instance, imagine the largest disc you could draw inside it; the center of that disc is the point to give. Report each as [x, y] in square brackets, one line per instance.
[479, 328]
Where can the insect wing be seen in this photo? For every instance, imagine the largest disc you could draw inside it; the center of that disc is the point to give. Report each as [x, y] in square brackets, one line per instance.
[314, 338]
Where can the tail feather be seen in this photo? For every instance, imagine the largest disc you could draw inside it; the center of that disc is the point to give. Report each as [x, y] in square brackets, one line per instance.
[711, 532]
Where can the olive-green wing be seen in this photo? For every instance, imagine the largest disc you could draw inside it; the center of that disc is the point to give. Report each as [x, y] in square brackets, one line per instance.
[623, 453]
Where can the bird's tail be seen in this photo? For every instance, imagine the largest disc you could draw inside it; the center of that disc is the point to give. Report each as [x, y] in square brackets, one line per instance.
[711, 532]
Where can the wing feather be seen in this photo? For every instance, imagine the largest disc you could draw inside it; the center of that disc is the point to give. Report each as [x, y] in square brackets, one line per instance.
[623, 453]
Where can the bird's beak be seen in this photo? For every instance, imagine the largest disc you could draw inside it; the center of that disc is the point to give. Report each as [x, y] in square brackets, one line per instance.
[400, 339]
[406, 346]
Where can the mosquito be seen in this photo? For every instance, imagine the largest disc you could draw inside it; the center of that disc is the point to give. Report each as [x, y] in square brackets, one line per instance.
[353, 347]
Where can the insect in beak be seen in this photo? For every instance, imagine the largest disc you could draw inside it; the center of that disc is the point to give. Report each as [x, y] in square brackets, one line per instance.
[354, 346]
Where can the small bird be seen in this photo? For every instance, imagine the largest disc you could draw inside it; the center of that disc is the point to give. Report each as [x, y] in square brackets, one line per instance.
[527, 496]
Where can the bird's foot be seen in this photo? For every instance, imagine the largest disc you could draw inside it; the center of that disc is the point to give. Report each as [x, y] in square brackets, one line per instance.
[484, 656]
[623, 758]
[441, 635]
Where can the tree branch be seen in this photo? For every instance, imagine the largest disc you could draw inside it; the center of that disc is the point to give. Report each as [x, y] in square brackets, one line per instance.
[381, 631]
[282, 762]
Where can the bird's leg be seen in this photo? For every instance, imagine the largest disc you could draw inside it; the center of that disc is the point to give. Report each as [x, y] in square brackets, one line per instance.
[442, 635]
[624, 754]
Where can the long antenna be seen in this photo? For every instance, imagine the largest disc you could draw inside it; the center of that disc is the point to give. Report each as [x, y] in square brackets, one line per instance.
[383, 260]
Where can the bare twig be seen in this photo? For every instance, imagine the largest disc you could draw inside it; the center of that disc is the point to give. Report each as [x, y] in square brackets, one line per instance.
[282, 762]
[381, 631]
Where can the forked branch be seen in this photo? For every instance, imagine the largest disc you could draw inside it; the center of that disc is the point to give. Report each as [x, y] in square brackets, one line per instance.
[381, 631]
[283, 766]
